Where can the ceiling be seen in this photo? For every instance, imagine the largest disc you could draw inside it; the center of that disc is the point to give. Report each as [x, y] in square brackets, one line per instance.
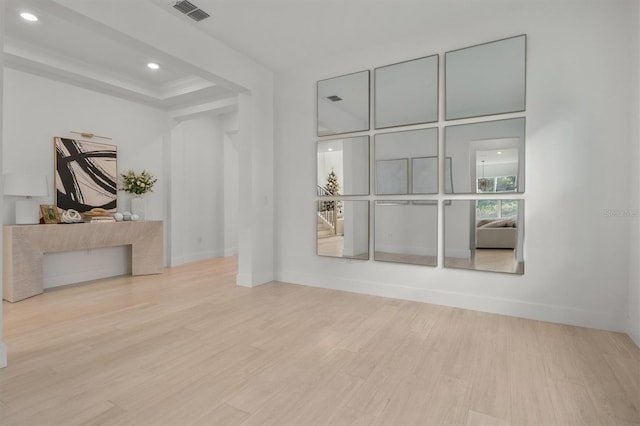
[64, 46]
[280, 34]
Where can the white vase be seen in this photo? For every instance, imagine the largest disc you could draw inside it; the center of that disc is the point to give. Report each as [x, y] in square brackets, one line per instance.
[138, 206]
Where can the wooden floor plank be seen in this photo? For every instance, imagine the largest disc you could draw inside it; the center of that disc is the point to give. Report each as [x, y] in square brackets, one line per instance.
[191, 347]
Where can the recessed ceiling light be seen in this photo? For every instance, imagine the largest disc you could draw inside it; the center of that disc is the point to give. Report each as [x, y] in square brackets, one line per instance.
[499, 152]
[330, 149]
[153, 65]
[28, 16]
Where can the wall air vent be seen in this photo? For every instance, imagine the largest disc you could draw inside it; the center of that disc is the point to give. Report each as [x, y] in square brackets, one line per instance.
[334, 98]
[191, 10]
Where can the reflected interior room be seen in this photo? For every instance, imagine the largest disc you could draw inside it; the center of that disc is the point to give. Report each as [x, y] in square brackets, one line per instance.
[486, 157]
[486, 79]
[406, 93]
[406, 162]
[343, 104]
[348, 236]
[406, 232]
[484, 235]
[342, 226]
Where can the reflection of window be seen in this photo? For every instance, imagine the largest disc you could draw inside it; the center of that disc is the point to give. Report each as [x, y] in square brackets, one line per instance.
[496, 184]
[490, 209]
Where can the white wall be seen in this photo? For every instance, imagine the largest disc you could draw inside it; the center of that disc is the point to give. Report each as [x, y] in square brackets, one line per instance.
[255, 116]
[577, 123]
[3, 347]
[633, 323]
[202, 145]
[35, 110]
[231, 179]
[204, 189]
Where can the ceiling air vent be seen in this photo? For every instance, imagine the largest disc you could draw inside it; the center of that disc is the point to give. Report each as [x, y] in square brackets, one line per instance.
[191, 10]
[198, 15]
[334, 98]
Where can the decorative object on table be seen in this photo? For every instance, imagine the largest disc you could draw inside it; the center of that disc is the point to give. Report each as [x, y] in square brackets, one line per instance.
[71, 216]
[102, 219]
[28, 186]
[135, 217]
[138, 206]
[126, 216]
[97, 213]
[49, 213]
[86, 175]
[119, 217]
[138, 185]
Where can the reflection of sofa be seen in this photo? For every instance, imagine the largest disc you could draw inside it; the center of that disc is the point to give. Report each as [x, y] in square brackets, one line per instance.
[496, 233]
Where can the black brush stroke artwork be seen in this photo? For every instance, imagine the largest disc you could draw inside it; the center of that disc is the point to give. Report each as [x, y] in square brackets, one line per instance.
[74, 193]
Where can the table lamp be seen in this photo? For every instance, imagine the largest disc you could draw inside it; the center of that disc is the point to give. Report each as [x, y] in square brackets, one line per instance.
[26, 185]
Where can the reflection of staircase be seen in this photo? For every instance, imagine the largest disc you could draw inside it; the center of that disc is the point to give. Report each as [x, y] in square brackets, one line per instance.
[324, 229]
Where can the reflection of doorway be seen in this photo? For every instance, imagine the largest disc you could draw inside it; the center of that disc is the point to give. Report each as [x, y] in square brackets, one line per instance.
[330, 228]
[349, 237]
[496, 235]
[496, 170]
[493, 160]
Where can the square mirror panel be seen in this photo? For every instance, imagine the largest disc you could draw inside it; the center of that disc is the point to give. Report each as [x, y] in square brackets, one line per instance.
[343, 167]
[343, 104]
[406, 93]
[486, 79]
[343, 229]
[406, 162]
[406, 232]
[484, 235]
[485, 157]
[392, 176]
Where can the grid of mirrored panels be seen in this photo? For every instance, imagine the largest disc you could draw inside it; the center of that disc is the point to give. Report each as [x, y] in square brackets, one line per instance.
[407, 173]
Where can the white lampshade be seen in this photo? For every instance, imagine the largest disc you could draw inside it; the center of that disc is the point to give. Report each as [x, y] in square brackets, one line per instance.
[26, 185]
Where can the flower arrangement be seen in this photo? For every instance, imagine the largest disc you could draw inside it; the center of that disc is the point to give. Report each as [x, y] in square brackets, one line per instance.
[138, 184]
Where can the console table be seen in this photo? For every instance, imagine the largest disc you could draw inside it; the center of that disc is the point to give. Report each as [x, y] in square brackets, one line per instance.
[25, 245]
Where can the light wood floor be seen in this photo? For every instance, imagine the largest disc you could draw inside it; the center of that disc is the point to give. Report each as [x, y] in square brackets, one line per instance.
[334, 247]
[189, 347]
[493, 260]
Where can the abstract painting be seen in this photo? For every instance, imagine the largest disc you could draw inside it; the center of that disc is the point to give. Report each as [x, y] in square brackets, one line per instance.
[86, 175]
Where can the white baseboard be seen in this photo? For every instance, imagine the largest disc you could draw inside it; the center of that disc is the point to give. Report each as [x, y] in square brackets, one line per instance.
[633, 331]
[203, 255]
[176, 261]
[195, 257]
[73, 267]
[58, 280]
[253, 280]
[3, 355]
[516, 308]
